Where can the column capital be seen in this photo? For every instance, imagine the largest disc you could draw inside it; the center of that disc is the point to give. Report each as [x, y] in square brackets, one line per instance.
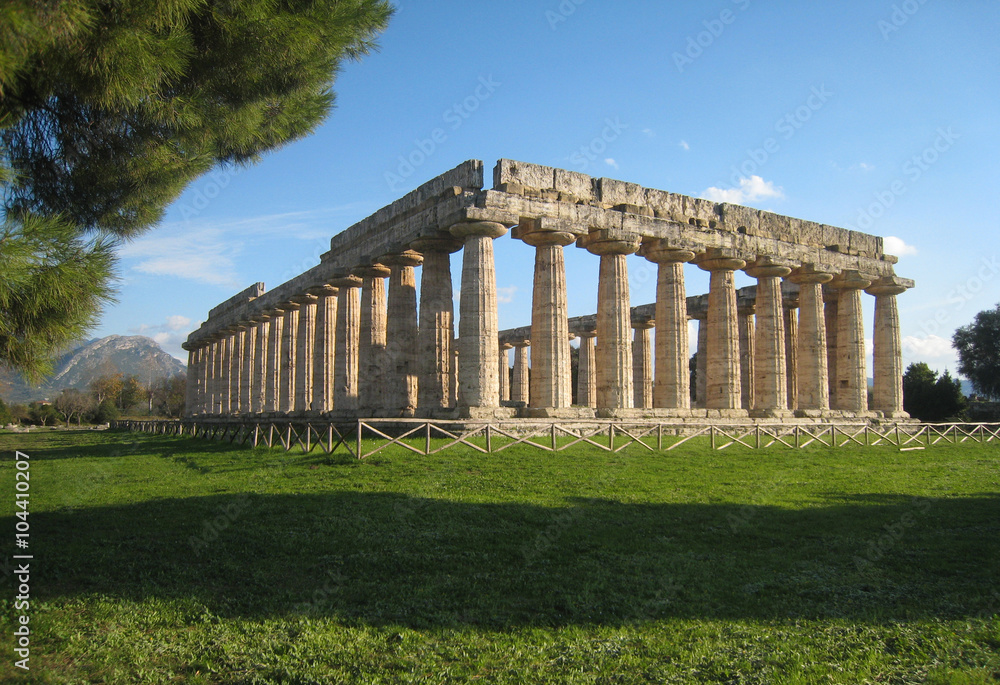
[586, 335]
[610, 241]
[375, 270]
[889, 285]
[520, 343]
[290, 306]
[643, 324]
[404, 258]
[811, 273]
[346, 281]
[530, 233]
[850, 279]
[304, 299]
[766, 266]
[720, 259]
[661, 251]
[489, 229]
[323, 290]
[506, 346]
[443, 242]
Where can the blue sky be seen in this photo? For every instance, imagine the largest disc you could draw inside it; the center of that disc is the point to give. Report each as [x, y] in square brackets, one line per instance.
[880, 116]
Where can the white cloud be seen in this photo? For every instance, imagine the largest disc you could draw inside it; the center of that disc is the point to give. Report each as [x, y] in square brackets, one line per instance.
[750, 190]
[897, 246]
[506, 295]
[648, 132]
[684, 145]
[611, 162]
[864, 166]
[929, 348]
[177, 322]
[204, 255]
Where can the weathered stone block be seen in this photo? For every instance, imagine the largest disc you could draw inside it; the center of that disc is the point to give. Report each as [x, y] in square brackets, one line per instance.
[581, 186]
[864, 244]
[612, 192]
[528, 175]
[666, 205]
[739, 219]
[701, 210]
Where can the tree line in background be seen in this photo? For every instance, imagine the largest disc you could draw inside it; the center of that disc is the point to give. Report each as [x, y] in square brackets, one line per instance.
[108, 398]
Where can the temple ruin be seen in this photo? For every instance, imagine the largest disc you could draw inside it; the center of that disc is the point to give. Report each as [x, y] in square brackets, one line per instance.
[335, 342]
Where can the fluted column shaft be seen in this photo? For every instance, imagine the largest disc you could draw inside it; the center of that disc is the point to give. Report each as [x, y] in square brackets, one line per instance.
[852, 375]
[642, 366]
[305, 352]
[436, 324]
[550, 357]
[770, 391]
[519, 386]
[402, 380]
[191, 385]
[746, 327]
[723, 386]
[813, 380]
[830, 300]
[236, 371]
[324, 349]
[587, 375]
[671, 388]
[371, 344]
[246, 367]
[225, 374]
[791, 356]
[504, 373]
[478, 385]
[701, 367]
[289, 350]
[273, 380]
[348, 341]
[258, 391]
[887, 356]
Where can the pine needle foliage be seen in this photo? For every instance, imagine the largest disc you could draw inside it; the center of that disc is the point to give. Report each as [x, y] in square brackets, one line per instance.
[110, 108]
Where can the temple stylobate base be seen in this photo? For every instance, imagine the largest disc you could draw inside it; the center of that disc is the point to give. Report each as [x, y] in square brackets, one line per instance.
[329, 343]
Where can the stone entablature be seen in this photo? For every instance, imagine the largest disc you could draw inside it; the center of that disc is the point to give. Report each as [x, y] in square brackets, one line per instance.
[749, 339]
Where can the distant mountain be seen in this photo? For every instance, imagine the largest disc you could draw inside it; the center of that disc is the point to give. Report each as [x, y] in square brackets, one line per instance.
[126, 354]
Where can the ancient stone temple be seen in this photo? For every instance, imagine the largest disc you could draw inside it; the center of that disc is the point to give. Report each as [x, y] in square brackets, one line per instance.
[348, 338]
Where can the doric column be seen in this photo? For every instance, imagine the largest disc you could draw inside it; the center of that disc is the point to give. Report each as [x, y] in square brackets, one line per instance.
[348, 341]
[258, 391]
[208, 382]
[550, 382]
[225, 372]
[586, 381]
[504, 375]
[642, 365]
[288, 357]
[770, 388]
[305, 352]
[436, 323]
[198, 379]
[887, 357]
[852, 375]
[453, 396]
[723, 387]
[813, 380]
[791, 354]
[671, 387]
[614, 347]
[745, 325]
[324, 348]
[272, 382]
[220, 390]
[477, 325]
[830, 300]
[701, 367]
[236, 370]
[519, 384]
[401, 381]
[371, 344]
[246, 369]
[191, 384]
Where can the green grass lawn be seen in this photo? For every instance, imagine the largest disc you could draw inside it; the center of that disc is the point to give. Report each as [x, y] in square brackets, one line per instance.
[179, 560]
